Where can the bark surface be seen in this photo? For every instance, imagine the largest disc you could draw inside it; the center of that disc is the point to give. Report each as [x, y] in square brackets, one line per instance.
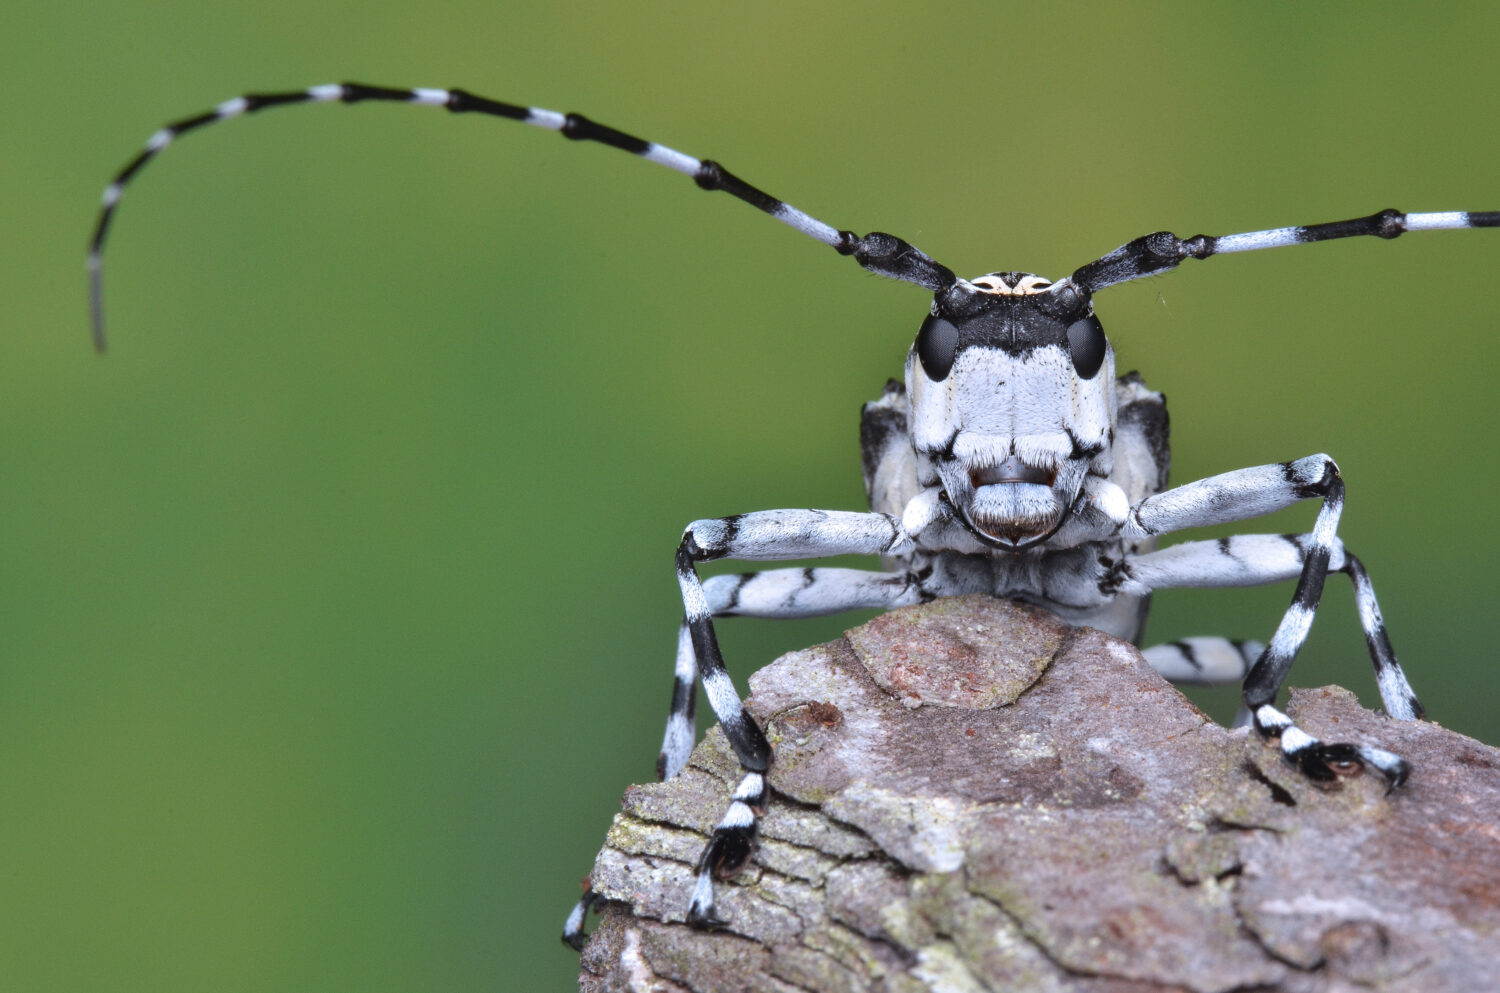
[970, 795]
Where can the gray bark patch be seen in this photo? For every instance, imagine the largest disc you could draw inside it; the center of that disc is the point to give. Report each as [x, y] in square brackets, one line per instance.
[968, 795]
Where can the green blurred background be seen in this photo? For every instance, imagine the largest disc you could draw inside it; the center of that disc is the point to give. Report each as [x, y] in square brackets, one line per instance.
[336, 606]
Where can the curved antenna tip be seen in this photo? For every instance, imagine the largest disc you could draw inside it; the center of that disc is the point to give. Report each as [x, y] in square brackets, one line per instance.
[96, 304]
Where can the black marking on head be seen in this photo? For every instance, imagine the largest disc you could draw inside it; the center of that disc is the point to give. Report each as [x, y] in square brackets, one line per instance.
[1081, 451]
[1086, 346]
[1224, 547]
[990, 316]
[937, 347]
[945, 454]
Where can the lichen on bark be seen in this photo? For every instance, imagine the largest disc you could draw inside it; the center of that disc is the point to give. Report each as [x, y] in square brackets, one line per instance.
[970, 795]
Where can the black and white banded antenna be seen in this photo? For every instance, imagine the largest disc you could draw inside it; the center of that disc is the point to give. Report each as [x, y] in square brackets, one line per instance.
[880, 253]
[1162, 251]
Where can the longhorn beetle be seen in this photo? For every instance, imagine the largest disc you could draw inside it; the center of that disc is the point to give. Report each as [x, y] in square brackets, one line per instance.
[1011, 462]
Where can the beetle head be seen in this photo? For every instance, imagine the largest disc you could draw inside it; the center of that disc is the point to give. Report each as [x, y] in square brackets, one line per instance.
[1011, 384]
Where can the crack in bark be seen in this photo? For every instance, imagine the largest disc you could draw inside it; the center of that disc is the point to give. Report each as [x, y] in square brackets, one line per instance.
[1026, 930]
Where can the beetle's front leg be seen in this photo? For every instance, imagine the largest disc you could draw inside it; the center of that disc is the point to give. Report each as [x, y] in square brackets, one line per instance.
[1248, 493]
[774, 593]
[764, 536]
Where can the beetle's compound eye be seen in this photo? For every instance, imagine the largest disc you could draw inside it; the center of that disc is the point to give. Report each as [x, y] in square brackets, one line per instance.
[1086, 346]
[937, 345]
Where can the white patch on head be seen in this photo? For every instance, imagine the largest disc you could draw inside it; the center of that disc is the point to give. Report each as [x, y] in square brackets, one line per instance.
[996, 284]
[1032, 400]
[994, 406]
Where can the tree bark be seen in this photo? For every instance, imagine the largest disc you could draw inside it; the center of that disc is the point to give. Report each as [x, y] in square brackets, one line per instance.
[970, 795]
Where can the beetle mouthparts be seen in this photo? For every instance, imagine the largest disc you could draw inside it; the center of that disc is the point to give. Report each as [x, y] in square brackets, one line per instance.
[1012, 470]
